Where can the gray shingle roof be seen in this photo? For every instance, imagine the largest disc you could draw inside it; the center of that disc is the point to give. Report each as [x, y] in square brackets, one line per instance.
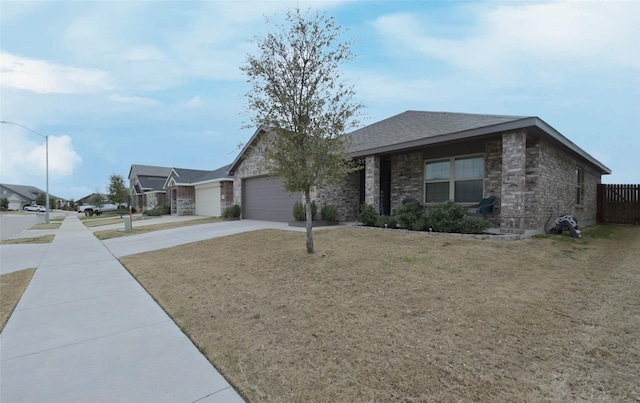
[419, 129]
[151, 182]
[189, 176]
[150, 170]
[26, 192]
[416, 125]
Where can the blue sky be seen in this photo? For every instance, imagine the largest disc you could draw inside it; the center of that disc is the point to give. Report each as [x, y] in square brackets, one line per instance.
[158, 83]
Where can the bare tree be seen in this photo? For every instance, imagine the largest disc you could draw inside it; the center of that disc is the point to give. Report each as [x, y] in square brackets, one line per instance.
[298, 95]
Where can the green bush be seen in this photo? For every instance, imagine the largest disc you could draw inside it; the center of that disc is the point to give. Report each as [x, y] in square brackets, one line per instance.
[300, 211]
[232, 211]
[472, 225]
[329, 213]
[445, 217]
[158, 211]
[385, 221]
[410, 216]
[368, 215]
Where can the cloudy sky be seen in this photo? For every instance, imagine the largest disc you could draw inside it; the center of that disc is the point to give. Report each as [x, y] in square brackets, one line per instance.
[131, 82]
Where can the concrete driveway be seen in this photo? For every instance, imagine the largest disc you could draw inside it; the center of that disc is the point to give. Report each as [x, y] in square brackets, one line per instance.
[156, 240]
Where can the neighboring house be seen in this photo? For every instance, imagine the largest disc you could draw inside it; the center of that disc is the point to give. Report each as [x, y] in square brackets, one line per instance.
[146, 186]
[20, 196]
[437, 156]
[204, 193]
[88, 200]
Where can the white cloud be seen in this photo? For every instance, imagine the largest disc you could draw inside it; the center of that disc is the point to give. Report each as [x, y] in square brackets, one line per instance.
[44, 77]
[511, 41]
[194, 102]
[137, 101]
[24, 159]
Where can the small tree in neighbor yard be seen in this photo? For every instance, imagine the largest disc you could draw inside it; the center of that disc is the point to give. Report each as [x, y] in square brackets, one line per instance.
[118, 193]
[41, 199]
[297, 96]
[96, 200]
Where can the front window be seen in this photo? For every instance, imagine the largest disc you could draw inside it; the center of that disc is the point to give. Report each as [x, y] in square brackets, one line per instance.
[459, 179]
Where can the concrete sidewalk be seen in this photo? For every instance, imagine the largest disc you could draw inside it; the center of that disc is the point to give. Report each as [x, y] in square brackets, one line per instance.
[85, 330]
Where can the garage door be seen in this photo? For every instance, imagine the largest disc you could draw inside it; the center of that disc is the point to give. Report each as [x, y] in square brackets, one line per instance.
[264, 198]
[208, 200]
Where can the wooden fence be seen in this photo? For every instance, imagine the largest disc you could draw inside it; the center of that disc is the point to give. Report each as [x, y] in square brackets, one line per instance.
[619, 204]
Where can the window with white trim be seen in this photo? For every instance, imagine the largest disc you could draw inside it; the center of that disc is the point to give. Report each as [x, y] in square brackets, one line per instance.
[579, 185]
[459, 179]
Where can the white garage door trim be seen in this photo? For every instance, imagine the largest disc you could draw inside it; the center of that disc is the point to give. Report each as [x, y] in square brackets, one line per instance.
[264, 198]
[208, 200]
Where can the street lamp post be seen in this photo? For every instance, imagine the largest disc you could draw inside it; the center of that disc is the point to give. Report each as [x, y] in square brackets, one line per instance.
[46, 138]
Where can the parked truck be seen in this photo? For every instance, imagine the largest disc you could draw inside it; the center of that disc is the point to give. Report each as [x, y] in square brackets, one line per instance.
[98, 210]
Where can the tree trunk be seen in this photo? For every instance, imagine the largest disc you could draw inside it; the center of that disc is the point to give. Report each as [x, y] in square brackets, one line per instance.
[307, 199]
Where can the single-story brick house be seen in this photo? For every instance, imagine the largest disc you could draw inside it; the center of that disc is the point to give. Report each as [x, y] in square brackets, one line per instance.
[198, 192]
[437, 156]
[146, 186]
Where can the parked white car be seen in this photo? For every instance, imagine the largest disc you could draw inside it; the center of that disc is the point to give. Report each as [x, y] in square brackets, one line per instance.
[37, 208]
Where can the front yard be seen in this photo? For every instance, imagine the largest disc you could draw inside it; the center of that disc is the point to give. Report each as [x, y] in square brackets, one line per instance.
[379, 315]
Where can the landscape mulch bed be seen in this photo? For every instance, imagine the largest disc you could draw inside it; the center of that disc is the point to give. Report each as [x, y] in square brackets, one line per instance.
[390, 316]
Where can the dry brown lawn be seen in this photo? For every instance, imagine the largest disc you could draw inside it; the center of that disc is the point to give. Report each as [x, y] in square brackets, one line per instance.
[50, 225]
[12, 285]
[381, 315]
[33, 239]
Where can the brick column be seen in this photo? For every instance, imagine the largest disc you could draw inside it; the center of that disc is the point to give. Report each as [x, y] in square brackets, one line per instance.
[372, 181]
[514, 147]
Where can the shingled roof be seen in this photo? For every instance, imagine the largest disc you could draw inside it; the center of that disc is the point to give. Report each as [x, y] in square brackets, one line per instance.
[417, 125]
[150, 170]
[185, 176]
[419, 129]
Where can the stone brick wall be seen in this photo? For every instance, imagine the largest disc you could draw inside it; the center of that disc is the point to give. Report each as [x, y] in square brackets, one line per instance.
[249, 167]
[551, 183]
[345, 197]
[372, 181]
[185, 200]
[407, 178]
[152, 200]
[226, 194]
[512, 203]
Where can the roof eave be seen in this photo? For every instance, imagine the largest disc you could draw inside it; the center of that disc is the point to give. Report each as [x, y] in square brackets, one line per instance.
[240, 157]
[443, 138]
[483, 131]
[554, 134]
[212, 181]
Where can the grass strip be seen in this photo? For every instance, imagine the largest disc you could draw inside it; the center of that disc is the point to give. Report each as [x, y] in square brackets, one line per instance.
[12, 286]
[29, 240]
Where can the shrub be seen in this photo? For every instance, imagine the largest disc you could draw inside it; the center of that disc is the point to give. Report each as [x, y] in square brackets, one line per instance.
[385, 221]
[329, 213]
[472, 225]
[300, 211]
[445, 217]
[158, 211]
[232, 211]
[410, 216]
[368, 215]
